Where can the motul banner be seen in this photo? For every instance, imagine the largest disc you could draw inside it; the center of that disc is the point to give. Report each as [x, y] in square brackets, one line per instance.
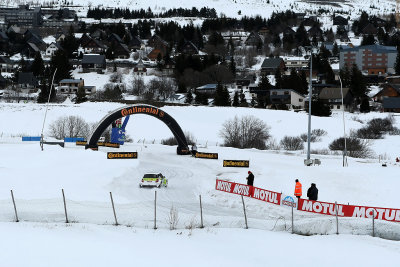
[248, 191]
[349, 210]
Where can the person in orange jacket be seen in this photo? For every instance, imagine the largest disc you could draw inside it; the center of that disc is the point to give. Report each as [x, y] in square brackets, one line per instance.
[298, 189]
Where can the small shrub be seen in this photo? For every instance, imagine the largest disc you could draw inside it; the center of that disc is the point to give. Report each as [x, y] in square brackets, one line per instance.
[173, 218]
[356, 148]
[315, 135]
[395, 131]
[292, 143]
[171, 141]
[319, 132]
[272, 144]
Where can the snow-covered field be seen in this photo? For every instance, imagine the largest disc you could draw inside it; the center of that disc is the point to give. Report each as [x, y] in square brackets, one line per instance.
[37, 177]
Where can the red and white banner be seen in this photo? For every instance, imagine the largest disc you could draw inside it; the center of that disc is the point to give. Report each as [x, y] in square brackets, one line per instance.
[249, 191]
[319, 207]
[349, 210]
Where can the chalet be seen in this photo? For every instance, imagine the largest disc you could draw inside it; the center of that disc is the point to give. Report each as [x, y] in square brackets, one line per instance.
[121, 50]
[29, 50]
[369, 29]
[333, 97]
[99, 34]
[339, 20]
[52, 48]
[270, 65]
[154, 54]
[114, 39]
[27, 81]
[315, 31]
[93, 63]
[168, 66]
[158, 43]
[94, 46]
[70, 86]
[244, 82]
[189, 48]
[253, 39]
[140, 69]
[288, 97]
[135, 42]
[388, 90]
[391, 104]
[84, 39]
[60, 35]
[263, 31]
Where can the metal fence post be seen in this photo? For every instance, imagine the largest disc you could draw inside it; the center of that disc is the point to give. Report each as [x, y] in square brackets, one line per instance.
[15, 207]
[201, 214]
[112, 203]
[244, 210]
[65, 207]
[373, 223]
[155, 209]
[292, 221]
[337, 219]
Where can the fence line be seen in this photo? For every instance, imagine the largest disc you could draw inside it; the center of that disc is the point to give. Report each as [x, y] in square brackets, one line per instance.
[306, 223]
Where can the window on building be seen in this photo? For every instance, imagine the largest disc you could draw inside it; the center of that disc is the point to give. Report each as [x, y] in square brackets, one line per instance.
[274, 93]
[300, 100]
[286, 92]
[338, 106]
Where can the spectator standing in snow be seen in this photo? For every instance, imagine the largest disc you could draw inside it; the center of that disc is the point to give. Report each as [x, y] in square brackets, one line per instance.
[397, 159]
[297, 189]
[194, 149]
[312, 192]
[250, 178]
[250, 182]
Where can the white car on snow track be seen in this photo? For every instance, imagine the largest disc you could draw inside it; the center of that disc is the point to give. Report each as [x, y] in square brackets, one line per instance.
[153, 180]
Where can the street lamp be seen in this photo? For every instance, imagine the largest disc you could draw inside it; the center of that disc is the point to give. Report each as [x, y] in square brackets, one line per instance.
[47, 108]
[344, 128]
[313, 50]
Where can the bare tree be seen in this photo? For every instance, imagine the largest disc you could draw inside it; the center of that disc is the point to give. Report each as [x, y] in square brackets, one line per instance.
[292, 143]
[173, 218]
[69, 126]
[138, 86]
[116, 77]
[245, 132]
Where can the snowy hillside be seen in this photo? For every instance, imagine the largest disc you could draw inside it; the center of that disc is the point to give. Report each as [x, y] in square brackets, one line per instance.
[247, 7]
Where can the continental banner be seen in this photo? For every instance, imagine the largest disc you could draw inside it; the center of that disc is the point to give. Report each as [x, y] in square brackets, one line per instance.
[204, 155]
[326, 208]
[108, 144]
[249, 191]
[122, 155]
[101, 144]
[236, 163]
[81, 143]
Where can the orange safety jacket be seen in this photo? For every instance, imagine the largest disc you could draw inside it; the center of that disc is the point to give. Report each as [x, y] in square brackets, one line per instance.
[297, 189]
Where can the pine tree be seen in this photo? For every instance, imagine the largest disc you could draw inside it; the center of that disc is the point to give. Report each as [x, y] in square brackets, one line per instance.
[278, 79]
[232, 66]
[235, 100]
[358, 85]
[38, 65]
[189, 98]
[222, 96]
[243, 101]
[80, 95]
[364, 106]
[60, 62]
[335, 50]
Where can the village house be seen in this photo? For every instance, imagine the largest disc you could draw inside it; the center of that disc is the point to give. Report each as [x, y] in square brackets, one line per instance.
[333, 97]
[69, 86]
[93, 62]
[270, 65]
[52, 49]
[288, 97]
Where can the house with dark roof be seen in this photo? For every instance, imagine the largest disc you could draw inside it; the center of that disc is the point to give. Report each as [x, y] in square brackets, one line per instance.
[391, 104]
[135, 42]
[388, 90]
[369, 29]
[158, 43]
[121, 50]
[190, 48]
[253, 39]
[70, 86]
[114, 38]
[153, 55]
[339, 20]
[288, 97]
[333, 97]
[207, 89]
[29, 50]
[27, 81]
[91, 62]
[4, 41]
[140, 68]
[315, 31]
[94, 46]
[270, 65]
[374, 59]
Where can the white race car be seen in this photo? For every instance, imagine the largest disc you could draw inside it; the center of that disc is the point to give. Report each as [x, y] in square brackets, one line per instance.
[153, 180]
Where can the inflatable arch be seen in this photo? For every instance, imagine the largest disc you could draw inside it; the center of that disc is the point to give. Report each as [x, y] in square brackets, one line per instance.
[182, 149]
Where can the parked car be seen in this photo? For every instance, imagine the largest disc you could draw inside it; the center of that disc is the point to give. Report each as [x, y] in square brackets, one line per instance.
[153, 180]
